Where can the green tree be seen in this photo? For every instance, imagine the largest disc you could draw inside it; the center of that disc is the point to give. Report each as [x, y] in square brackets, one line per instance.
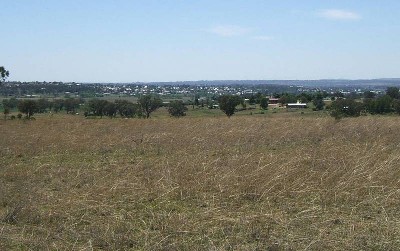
[71, 105]
[381, 105]
[97, 107]
[149, 103]
[264, 103]
[346, 108]
[228, 103]
[10, 103]
[287, 98]
[4, 74]
[110, 109]
[177, 108]
[42, 105]
[306, 97]
[28, 107]
[258, 97]
[318, 102]
[6, 112]
[126, 109]
[396, 106]
[369, 95]
[338, 94]
[393, 92]
[58, 105]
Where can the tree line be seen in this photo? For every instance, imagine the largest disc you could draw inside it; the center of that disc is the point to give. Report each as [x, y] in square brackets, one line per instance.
[371, 104]
[94, 107]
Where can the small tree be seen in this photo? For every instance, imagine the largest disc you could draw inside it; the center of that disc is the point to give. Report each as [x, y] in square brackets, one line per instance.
[42, 105]
[6, 112]
[10, 103]
[369, 95]
[28, 107]
[111, 110]
[346, 108]
[125, 108]
[287, 98]
[228, 103]
[318, 102]
[58, 105]
[396, 106]
[149, 103]
[393, 92]
[177, 108]
[4, 74]
[264, 103]
[71, 105]
[97, 107]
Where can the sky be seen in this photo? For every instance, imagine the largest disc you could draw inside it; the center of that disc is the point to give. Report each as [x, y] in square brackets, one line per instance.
[125, 41]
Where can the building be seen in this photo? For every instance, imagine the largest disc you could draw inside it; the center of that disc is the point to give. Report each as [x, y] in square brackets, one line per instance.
[297, 105]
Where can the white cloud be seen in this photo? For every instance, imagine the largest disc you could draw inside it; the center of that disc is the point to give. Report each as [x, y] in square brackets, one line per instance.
[228, 30]
[336, 14]
[263, 38]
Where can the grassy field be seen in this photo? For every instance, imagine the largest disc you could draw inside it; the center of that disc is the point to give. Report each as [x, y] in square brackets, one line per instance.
[283, 181]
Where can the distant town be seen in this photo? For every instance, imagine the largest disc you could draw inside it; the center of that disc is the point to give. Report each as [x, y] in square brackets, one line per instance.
[192, 88]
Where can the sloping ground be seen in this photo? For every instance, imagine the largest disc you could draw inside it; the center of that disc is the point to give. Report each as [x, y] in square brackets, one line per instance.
[245, 183]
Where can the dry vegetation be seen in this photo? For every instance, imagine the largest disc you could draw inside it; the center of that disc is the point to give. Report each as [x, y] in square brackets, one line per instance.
[245, 183]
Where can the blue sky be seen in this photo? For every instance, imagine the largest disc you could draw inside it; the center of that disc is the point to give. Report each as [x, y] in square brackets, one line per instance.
[128, 41]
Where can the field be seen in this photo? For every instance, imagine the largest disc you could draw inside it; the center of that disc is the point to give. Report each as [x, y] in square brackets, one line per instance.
[273, 182]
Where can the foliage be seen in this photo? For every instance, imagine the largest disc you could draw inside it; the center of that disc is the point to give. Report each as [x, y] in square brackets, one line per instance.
[369, 95]
[71, 105]
[149, 103]
[4, 74]
[126, 109]
[28, 107]
[287, 98]
[396, 106]
[338, 94]
[110, 109]
[42, 105]
[58, 105]
[264, 103]
[97, 107]
[393, 92]
[380, 105]
[6, 112]
[318, 102]
[346, 108]
[228, 103]
[306, 97]
[10, 103]
[177, 108]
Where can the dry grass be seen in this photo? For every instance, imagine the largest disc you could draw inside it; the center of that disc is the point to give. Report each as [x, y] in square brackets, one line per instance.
[245, 183]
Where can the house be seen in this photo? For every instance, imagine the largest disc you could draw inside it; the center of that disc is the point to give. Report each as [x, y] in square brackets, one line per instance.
[273, 102]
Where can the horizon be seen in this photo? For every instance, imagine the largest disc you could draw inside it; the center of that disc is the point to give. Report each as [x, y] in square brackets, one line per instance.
[128, 42]
[216, 80]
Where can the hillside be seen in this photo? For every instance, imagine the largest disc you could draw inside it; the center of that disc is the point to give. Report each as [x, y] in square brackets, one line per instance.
[245, 183]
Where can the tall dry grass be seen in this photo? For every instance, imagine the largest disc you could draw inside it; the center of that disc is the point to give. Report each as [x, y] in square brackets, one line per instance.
[245, 183]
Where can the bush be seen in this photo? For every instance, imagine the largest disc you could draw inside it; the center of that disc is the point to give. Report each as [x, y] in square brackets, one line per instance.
[346, 108]
[228, 103]
[29, 107]
[177, 109]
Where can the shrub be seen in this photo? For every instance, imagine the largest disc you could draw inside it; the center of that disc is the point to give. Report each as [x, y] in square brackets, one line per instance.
[346, 108]
[177, 109]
